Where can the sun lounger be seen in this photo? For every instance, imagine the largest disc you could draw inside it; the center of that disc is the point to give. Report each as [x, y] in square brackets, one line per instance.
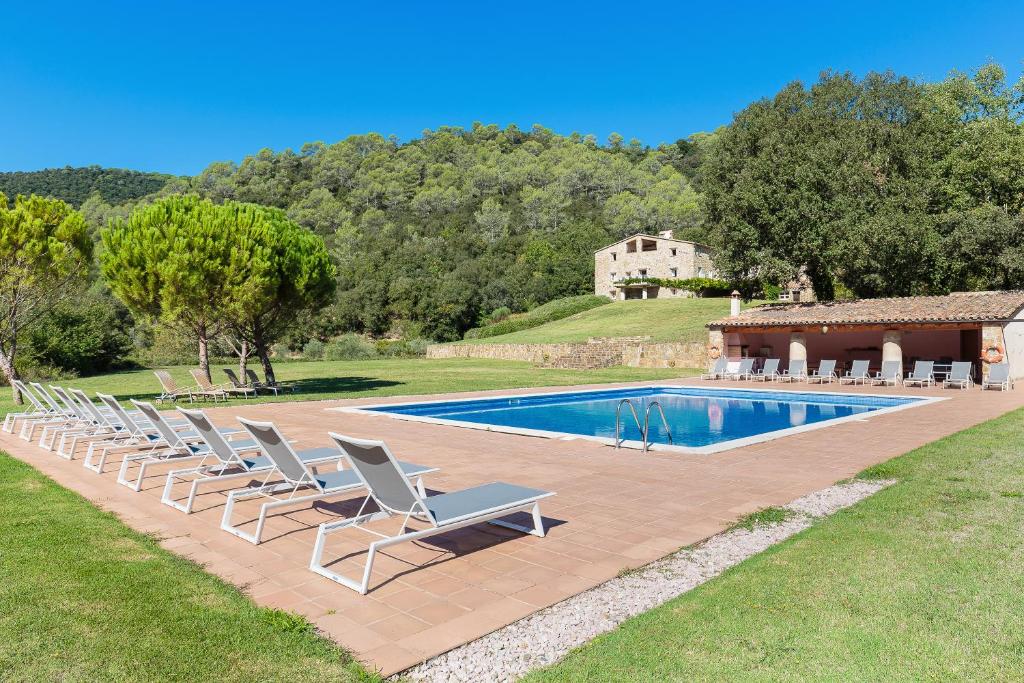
[390, 490]
[229, 460]
[236, 386]
[170, 389]
[294, 478]
[826, 372]
[891, 372]
[61, 413]
[960, 375]
[37, 409]
[796, 372]
[255, 381]
[998, 377]
[77, 419]
[857, 374]
[177, 446]
[770, 371]
[717, 371]
[205, 387]
[139, 434]
[923, 374]
[743, 371]
[104, 425]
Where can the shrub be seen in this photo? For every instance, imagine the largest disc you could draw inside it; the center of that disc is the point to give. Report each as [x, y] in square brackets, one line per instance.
[403, 348]
[81, 337]
[349, 347]
[701, 286]
[549, 312]
[772, 292]
[497, 315]
[313, 350]
[280, 351]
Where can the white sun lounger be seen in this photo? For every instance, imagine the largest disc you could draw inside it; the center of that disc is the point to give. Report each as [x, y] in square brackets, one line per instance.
[857, 374]
[229, 460]
[717, 371]
[38, 410]
[796, 372]
[178, 446]
[998, 377]
[770, 371]
[960, 375]
[294, 478]
[138, 434]
[891, 372]
[743, 371]
[826, 372]
[61, 414]
[389, 488]
[922, 375]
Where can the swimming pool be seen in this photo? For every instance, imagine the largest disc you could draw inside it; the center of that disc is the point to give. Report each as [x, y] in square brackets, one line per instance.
[701, 420]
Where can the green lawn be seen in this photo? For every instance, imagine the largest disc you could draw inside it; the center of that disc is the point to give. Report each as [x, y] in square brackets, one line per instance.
[920, 582]
[385, 377]
[85, 598]
[678, 320]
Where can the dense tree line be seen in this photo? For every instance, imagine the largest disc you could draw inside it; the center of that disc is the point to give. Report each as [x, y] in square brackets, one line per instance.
[76, 185]
[431, 235]
[880, 186]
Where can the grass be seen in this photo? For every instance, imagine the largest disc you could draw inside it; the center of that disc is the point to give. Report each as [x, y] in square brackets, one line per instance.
[676, 320]
[763, 517]
[83, 597]
[552, 310]
[381, 377]
[919, 582]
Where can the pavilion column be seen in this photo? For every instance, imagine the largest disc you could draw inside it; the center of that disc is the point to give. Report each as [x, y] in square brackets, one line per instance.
[797, 346]
[644, 293]
[892, 348]
[991, 335]
[716, 340]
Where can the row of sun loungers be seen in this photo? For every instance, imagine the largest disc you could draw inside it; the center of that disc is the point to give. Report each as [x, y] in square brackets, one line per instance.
[205, 389]
[68, 420]
[891, 373]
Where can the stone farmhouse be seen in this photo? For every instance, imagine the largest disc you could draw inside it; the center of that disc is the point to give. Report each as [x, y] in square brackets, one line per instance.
[647, 256]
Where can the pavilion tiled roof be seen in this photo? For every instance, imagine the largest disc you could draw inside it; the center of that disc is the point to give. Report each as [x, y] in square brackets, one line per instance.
[951, 308]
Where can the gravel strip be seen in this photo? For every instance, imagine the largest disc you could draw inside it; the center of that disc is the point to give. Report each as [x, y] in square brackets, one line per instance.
[545, 637]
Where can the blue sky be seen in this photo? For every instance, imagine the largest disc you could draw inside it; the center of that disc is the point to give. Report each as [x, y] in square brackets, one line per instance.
[173, 86]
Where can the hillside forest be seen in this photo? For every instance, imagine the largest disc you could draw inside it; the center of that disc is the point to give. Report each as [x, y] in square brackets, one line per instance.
[877, 185]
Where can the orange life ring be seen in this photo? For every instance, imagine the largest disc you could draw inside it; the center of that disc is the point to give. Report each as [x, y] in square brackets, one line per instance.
[993, 353]
[714, 352]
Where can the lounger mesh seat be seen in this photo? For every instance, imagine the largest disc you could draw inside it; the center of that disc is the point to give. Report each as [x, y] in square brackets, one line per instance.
[449, 507]
[308, 455]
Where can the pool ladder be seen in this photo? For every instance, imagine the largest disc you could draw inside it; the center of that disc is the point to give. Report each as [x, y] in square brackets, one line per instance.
[645, 427]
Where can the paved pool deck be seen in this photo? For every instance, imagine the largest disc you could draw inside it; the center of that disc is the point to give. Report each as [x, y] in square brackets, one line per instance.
[614, 510]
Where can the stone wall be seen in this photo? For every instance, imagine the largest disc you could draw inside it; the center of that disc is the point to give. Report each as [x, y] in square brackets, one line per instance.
[631, 353]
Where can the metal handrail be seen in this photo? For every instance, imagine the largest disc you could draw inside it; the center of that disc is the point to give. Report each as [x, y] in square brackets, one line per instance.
[636, 418]
[647, 422]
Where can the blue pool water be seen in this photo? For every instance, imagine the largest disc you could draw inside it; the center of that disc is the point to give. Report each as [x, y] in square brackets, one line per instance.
[697, 416]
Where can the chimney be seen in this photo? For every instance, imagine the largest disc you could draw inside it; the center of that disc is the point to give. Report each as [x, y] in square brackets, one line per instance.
[734, 304]
[667, 234]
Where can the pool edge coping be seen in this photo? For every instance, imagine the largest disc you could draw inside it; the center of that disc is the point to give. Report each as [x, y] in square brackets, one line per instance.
[378, 409]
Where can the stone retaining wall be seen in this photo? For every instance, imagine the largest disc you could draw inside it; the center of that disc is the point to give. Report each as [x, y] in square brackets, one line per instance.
[636, 355]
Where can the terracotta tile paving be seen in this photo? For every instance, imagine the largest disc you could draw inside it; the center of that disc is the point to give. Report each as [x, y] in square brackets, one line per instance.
[614, 510]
